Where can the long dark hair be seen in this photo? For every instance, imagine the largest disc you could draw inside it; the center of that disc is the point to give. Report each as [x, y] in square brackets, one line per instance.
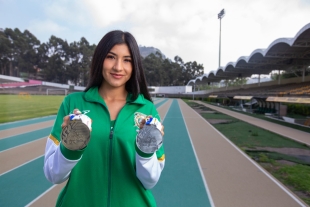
[136, 84]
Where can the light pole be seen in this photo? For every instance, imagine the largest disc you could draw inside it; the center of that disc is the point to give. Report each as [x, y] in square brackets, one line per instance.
[220, 16]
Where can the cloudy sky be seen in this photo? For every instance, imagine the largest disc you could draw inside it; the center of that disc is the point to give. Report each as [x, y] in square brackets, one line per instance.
[187, 28]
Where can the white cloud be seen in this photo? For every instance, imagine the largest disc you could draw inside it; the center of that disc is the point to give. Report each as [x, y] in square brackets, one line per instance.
[68, 12]
[107, 13]
[46, 26]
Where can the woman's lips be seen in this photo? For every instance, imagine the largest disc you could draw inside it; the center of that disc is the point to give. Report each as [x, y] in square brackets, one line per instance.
[117, 76]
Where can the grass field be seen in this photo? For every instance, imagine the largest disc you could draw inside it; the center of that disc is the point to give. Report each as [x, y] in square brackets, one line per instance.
[20, 107]
[247, 135]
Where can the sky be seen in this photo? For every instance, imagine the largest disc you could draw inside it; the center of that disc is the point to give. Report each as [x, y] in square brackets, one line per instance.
[189, 29]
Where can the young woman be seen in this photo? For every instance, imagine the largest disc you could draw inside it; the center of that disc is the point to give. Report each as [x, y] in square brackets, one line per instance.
[110, 170]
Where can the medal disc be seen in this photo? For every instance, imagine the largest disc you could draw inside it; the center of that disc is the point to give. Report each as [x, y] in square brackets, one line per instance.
[75, 135]
[149, 139]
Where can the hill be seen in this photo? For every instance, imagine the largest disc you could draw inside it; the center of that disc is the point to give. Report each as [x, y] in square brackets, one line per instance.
[145, 51]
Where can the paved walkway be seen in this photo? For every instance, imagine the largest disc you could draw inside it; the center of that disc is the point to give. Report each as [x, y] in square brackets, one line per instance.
[203, 168]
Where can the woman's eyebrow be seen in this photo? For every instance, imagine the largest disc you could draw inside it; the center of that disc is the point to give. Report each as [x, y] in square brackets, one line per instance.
[126, 56]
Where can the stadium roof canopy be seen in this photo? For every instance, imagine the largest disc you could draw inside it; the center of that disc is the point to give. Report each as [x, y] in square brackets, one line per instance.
[289, 54]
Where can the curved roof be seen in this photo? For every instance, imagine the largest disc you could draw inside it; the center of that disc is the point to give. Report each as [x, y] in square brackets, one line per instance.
[282, 54]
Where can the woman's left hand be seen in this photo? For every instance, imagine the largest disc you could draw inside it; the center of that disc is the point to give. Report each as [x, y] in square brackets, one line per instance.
[142, 123]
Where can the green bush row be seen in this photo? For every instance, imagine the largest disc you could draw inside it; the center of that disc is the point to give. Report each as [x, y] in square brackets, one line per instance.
[302, 109]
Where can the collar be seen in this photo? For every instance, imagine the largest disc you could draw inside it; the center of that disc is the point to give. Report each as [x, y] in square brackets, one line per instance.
[93, 95]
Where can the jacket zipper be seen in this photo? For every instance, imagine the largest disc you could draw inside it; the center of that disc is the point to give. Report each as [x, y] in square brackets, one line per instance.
[110, 165]
[110, 157]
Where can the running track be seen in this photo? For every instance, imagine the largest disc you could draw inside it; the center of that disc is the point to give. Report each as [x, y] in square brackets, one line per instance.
[203, 168]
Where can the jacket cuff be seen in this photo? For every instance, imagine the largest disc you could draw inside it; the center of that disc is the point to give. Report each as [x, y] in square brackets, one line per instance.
[70, 154]
[143, 154]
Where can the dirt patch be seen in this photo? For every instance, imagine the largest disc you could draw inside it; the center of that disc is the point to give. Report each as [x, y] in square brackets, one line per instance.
[208, 112]
[200, 111]
[287, 151]
[218, 121]
[285, 162]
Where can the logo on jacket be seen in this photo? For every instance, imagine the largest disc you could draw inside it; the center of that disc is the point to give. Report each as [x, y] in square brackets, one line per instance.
[83, 111]
[138, 117]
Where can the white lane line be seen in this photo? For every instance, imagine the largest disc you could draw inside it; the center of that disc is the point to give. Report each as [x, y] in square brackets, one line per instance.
[37, 198]
[21, 165]
[200, 169]
[24, 143]
[162, 119]
[14, 122]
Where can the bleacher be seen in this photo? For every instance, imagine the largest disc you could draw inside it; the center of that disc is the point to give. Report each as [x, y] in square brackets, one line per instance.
[290, 89]
[33, 90]
[14, 85]
[17, 84]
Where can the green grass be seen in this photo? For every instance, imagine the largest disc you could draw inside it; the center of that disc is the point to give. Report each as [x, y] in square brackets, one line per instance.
[297, 176]
[16, 107]
[296, 116]
[247, 135]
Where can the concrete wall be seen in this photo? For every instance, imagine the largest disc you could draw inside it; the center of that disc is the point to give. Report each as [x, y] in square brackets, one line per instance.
[170, 89]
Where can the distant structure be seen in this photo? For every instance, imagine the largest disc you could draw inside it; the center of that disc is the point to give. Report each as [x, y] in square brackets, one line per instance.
[159, 90]
[283, 54]
[146, 51]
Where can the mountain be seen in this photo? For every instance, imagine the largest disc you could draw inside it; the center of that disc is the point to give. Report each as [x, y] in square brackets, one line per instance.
[145, 51]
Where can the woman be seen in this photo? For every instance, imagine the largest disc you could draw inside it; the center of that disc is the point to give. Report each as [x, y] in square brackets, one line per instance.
[111, 170]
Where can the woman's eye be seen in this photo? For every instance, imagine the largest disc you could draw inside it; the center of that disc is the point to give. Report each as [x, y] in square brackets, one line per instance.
[110, 57]
[128, 60]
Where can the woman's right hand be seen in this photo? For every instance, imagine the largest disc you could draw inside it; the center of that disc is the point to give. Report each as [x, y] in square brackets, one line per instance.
[66, 119]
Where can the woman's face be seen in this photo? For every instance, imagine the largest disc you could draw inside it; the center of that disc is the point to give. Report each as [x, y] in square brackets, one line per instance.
[117, 67]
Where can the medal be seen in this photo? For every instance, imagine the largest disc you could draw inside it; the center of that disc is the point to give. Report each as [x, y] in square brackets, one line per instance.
[76, 134]
[149, 138]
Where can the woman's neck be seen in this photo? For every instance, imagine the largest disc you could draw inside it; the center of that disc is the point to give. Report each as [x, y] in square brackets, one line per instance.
[113, 94]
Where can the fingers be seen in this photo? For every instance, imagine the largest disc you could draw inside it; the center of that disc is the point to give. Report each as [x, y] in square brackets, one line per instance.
[67, 118]
[162, 130]
[142, 123]
[65, 121]
[76, 111]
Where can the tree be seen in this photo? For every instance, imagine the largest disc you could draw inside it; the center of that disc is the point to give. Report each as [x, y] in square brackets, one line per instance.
[29, 55]
[87, 52]
[5, 51]
[192, 70]
[237, 82]
[152, 65]
[290, 74]
[15, 46]
[58, 53]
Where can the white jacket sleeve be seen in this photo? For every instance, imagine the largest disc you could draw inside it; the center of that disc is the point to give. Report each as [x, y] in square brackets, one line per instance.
[149, 169]
[57, 168]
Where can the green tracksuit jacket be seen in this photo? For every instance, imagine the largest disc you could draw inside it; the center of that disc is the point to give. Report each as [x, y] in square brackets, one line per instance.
[110, 171]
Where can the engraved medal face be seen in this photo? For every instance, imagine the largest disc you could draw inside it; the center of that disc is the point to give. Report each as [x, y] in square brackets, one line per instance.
[76, 135]
[149, 139]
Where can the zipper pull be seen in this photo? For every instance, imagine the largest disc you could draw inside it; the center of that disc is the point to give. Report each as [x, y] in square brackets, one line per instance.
[111, 133]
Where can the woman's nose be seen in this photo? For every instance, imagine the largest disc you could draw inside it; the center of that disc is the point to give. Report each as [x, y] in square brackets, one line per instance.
[118, 65]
